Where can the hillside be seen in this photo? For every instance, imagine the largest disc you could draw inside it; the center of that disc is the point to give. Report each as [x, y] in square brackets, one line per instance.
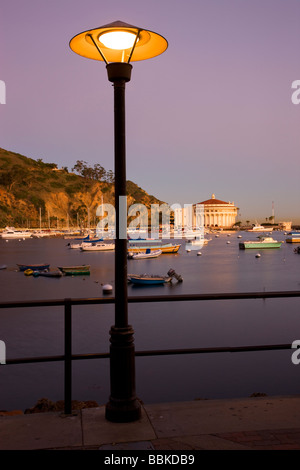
[31, 187]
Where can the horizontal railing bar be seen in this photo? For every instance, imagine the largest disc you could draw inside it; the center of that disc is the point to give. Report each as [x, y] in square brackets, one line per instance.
[32, 360]
[233, 349]
[143, 299]
[158, 352]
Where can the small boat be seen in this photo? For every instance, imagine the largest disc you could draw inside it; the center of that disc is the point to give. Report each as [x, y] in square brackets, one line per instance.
[293, 237]
[41, 234]
[3, 266]
[260, 228]
[84, 242]
[145, 255]
[262, 243]
[33, 267]
[68, 237]
[97, 247]
[198, 241]
[11, 232]
[75, 270]
[153, 279]
[148, 279]
[47, 273]
[142, 245]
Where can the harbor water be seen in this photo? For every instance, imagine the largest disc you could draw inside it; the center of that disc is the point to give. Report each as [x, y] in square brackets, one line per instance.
[220, 268]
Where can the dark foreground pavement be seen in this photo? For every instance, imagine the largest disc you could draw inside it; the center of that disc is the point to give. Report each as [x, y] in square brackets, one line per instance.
[239, 424]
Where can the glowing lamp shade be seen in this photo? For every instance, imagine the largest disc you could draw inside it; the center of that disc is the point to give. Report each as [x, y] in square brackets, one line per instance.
[118, 42]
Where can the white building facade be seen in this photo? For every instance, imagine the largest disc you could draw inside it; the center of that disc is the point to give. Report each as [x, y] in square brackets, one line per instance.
[210, 213]
[219, 213]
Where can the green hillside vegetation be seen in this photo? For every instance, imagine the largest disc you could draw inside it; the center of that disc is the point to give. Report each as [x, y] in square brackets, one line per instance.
[30, 188]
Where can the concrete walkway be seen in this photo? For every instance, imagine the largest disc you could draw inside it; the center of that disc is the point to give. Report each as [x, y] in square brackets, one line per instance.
[251, 423]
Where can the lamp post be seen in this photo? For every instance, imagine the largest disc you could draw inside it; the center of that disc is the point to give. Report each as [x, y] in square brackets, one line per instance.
[118, 44]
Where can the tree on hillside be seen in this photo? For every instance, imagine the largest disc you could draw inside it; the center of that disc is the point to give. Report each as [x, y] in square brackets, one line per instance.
[17, 176]
[97, 172]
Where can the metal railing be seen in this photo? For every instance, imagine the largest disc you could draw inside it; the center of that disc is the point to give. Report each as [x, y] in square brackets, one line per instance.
[68, 357]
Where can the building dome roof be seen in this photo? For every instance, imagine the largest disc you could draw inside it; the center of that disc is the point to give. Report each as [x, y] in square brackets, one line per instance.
[213, 200]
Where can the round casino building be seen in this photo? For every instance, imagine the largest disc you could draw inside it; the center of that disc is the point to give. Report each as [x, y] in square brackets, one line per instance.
[218, 213]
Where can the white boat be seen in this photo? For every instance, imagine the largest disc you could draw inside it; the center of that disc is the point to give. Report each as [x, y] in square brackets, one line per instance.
[197, 241]
[41, 234]
[11, 232]
[85, 242]
[75, 246]
[145, 255]
[260, 228]
[98, 247]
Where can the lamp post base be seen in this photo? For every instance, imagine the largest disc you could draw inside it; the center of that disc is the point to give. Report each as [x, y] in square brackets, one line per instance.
[118, 412]
[123, 405]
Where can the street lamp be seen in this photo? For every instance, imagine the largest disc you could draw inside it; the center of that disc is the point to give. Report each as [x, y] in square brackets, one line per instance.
[118, 44]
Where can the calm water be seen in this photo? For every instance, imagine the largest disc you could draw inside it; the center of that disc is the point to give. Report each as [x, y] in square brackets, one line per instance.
[222, 267]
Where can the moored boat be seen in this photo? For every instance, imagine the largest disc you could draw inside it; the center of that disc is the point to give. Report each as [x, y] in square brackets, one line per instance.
[74, 270]
[154, 279]
[293, 237]
[101, 246]
[145, 255]
[47, 273]
[142, 245]
[33, 267]
[84, 242]
[148, 279]
[198, 241]
[11, 232]
[262, 243]
[260, 228]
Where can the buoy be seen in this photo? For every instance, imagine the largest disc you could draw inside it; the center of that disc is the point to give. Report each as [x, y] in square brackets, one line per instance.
[228, 242]
[188, 250]
[107, 289]
[257, 256]
[199, 253]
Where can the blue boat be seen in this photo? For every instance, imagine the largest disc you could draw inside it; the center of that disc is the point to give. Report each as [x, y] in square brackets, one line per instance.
[34, 267]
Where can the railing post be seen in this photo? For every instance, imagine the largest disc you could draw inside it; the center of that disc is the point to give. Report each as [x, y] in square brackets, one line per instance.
[68, 356]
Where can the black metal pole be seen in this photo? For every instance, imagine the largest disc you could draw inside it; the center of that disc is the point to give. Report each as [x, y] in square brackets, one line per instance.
[68, 357]
[123, 405]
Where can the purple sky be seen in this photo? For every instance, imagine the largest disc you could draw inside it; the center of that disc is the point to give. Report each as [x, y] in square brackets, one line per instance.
[213, 114]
